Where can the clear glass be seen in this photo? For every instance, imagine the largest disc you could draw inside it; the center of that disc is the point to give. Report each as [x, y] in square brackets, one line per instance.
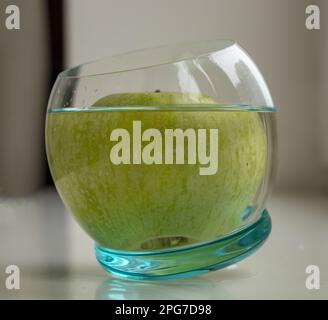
[165, 157]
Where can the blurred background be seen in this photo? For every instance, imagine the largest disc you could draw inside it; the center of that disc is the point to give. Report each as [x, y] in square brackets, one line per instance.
[35, 230]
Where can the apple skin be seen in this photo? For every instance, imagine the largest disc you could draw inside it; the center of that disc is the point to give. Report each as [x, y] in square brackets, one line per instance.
[123, 206]
[154, 99]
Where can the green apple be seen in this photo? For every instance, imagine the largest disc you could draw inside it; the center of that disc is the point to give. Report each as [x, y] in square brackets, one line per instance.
[156, 98]
[139, 206]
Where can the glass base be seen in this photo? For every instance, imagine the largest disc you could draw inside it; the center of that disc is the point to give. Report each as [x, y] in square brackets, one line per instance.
[187, 261]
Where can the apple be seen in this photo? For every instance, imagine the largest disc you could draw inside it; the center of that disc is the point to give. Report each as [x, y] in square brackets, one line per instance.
[143, 207]
[157, 98]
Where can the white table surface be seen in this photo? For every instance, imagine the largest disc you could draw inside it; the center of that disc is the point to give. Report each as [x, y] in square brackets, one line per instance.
[56, 258]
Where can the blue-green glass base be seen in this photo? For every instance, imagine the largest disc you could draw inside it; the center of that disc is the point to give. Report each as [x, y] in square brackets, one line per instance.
[189, 260]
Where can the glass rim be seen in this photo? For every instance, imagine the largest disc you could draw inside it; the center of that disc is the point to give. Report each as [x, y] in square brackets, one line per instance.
[205, 48]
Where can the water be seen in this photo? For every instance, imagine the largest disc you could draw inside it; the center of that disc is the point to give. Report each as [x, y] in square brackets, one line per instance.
[140, 206]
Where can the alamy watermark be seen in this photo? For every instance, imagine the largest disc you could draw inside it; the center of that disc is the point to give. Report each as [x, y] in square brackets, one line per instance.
[202, 148]
[12, 21]
[312, 20]
[12, 277]
[312, 280]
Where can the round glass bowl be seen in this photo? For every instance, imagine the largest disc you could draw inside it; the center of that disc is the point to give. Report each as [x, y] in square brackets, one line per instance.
[165, 157]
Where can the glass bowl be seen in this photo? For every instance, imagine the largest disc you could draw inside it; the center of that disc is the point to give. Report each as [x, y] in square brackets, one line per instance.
[165, 157]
